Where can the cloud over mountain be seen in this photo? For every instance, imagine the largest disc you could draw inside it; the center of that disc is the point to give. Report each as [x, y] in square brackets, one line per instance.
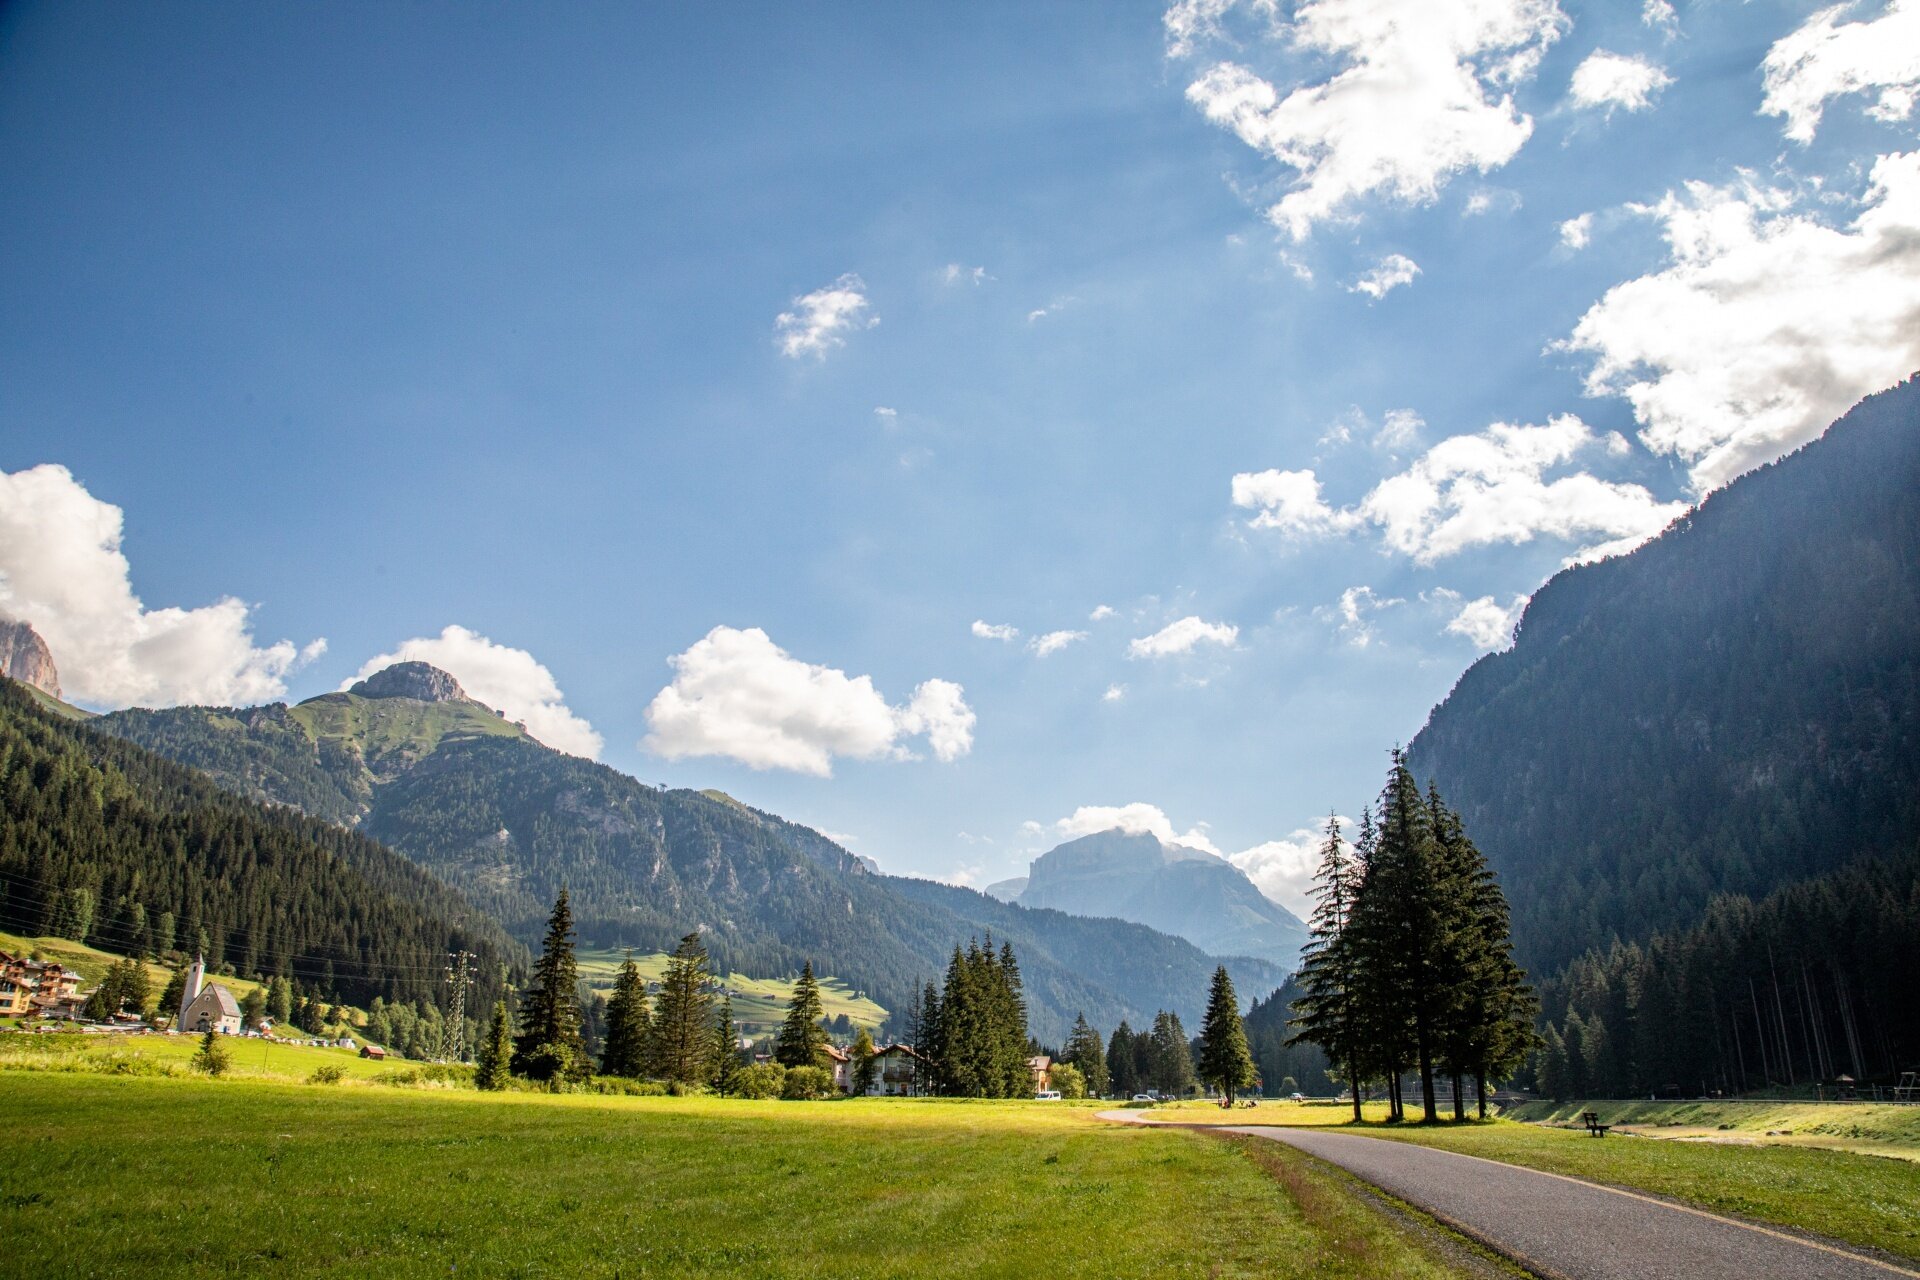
[62, 569]
[509, 680]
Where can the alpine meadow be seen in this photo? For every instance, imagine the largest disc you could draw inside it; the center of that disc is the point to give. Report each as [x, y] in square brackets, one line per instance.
[1212, 638]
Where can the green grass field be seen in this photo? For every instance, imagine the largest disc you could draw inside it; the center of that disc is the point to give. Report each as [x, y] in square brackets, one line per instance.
[1860, 1199]
[1862, 1128]
[158, 1054]
[759, 1004]
[105, 1176]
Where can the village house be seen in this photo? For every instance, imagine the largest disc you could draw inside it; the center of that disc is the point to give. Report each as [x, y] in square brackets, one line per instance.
[15, 999]
[43, 988]
[207, 1006]
[1042, 1068]
[897, 1070]
[842, 1064]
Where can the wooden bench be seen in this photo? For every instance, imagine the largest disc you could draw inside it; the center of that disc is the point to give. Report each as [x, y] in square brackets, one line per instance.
[1594, 1128]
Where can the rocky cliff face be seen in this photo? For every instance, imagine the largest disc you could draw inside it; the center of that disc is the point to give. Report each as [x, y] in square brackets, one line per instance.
[418, 680]
[24, 656]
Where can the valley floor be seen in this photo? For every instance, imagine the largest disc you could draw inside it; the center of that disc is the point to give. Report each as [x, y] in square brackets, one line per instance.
[136, 1175]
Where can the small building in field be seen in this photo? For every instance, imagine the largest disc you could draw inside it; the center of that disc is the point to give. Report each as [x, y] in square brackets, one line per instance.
[1042, 1069]
[207, 1006]
[841, 1064]
[373, 1051]
[898, 1072]
[15, 999]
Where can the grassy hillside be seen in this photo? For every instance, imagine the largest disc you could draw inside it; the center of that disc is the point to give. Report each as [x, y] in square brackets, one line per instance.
[299, 1181]
[392, 732]
[758, 1003]
[91, 963]
[1862, 1128]
[161, 1055]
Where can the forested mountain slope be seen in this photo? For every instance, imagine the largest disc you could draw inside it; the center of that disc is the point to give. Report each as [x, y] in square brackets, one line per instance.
[101, 839]
[508, 821]
[1733, 707]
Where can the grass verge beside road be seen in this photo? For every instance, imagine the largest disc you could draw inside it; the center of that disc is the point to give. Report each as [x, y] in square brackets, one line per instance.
[1856, 1199]
[160, 1177]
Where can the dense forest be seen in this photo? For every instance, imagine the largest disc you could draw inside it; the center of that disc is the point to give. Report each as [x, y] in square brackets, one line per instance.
[104, 841]
[1732, 708]
[1810, 983]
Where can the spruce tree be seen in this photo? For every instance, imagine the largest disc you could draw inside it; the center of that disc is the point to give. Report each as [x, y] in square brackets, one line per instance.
[683, 1015]
[1011, 1048]
[928, 1079]
[1329, 1013]
[726, 1048]
[802, 1041]
[864, 1067]
[1225, 1061]
[493, 1064]
[212, 1056]
[549, 1045]
[1124, 1078]
[1084, 1051]
[628, 1025]
[1172, 1057]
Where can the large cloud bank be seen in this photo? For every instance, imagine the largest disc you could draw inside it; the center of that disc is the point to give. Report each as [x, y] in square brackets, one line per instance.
[62, 570]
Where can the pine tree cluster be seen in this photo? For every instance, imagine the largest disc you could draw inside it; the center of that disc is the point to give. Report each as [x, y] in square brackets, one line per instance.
[1410, 964]
[974, 1029]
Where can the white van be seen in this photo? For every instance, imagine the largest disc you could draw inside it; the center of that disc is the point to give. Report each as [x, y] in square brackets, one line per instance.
[1047, 1095]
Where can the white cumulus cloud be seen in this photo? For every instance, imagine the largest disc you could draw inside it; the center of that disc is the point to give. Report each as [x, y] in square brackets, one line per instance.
[1489, 487]
[1825, 58]
[995, 630]
[1290, 502]
[1054, 641]
[1766, 324]
[1354, 612]
[1101, 612]
[1577, 233]
[62, 570]
[1484, 620]
[821, 320]
[1182, 637]
[1114, 693]
[1418, 91]
[1617, 81]
[1387, 275]
[737, 694]
[507, 679]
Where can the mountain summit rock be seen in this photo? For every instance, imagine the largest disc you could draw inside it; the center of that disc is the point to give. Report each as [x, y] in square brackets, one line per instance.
[420, 681]
[24, 656]
[1186, 892]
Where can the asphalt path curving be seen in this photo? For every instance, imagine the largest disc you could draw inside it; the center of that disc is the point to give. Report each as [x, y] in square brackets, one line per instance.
[1566, 1229]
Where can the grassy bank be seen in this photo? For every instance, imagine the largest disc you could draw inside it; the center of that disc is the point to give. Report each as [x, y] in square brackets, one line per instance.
[1863, 1128]
[156, 1177]
[759, 1004]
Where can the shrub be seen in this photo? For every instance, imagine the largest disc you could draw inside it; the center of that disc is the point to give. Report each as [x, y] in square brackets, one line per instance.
[761, 1080]
[620, 1086]
[212, 1057]
[804, 1084]
[1069, 1081]
[327, 1073]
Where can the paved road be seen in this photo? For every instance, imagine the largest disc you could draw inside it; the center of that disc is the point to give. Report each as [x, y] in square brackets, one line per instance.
[1565, 1228]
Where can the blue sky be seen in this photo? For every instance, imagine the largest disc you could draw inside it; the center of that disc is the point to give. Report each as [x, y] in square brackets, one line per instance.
[713, 373]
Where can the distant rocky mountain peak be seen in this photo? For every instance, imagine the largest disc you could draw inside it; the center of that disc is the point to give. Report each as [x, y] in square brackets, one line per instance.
[24, 656]
[421, 681]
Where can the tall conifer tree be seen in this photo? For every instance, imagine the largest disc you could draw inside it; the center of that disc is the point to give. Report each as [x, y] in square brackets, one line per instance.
[1083, 1050]
[726, 1048]
[1225, 1061]
[1329, 1013]
[629, 1024]
[492, 1067]
[682, 1032]
[549, 1043]
[802, 1041]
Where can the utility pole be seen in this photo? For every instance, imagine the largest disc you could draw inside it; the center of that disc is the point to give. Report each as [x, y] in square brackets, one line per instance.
[455, 1037]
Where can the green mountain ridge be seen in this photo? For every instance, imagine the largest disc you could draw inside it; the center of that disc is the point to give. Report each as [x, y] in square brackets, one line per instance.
[508, 821]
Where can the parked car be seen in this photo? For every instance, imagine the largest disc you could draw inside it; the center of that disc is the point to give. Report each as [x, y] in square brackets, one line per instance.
[1297, 1097]
[1047, 1095]
[1142, 1097]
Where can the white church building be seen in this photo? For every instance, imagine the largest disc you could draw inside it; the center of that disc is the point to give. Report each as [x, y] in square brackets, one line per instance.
[207, 1006]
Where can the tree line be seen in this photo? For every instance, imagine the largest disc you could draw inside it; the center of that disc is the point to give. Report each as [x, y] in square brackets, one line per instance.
[1811, 982]
[1409, 963]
